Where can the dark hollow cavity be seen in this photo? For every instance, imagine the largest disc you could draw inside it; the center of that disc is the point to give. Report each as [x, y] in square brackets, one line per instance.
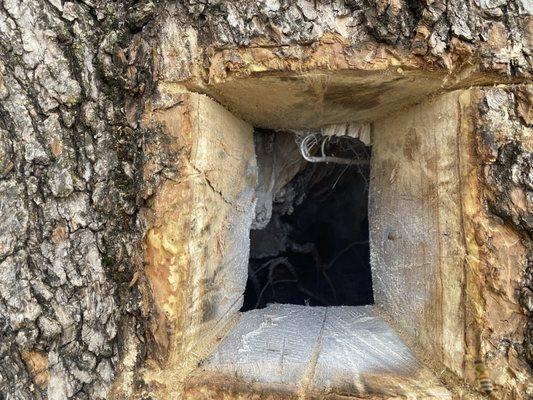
[314, 250]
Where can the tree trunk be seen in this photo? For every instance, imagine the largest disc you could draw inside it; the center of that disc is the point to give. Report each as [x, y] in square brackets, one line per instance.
[79, 165]
[69, 162]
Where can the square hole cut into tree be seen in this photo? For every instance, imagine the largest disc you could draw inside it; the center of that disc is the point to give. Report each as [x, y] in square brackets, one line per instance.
[309, 240]
[416, 253]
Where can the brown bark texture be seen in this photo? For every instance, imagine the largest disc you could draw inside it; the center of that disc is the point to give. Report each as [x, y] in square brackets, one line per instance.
[77, 168]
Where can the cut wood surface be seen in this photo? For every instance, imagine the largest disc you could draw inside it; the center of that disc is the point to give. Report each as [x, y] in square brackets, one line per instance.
[316, 351]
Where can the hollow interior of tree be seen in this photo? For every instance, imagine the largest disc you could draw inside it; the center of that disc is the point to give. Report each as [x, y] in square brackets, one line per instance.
[314, 249]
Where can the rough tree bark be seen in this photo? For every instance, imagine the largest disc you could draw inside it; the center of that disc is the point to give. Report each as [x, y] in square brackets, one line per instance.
[74, 76]
[69, 161]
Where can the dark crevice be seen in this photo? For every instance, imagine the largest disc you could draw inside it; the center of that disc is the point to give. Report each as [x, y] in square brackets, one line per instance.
[314, 251]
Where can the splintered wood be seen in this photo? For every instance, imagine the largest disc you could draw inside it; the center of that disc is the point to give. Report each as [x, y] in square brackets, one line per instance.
[290, 351]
